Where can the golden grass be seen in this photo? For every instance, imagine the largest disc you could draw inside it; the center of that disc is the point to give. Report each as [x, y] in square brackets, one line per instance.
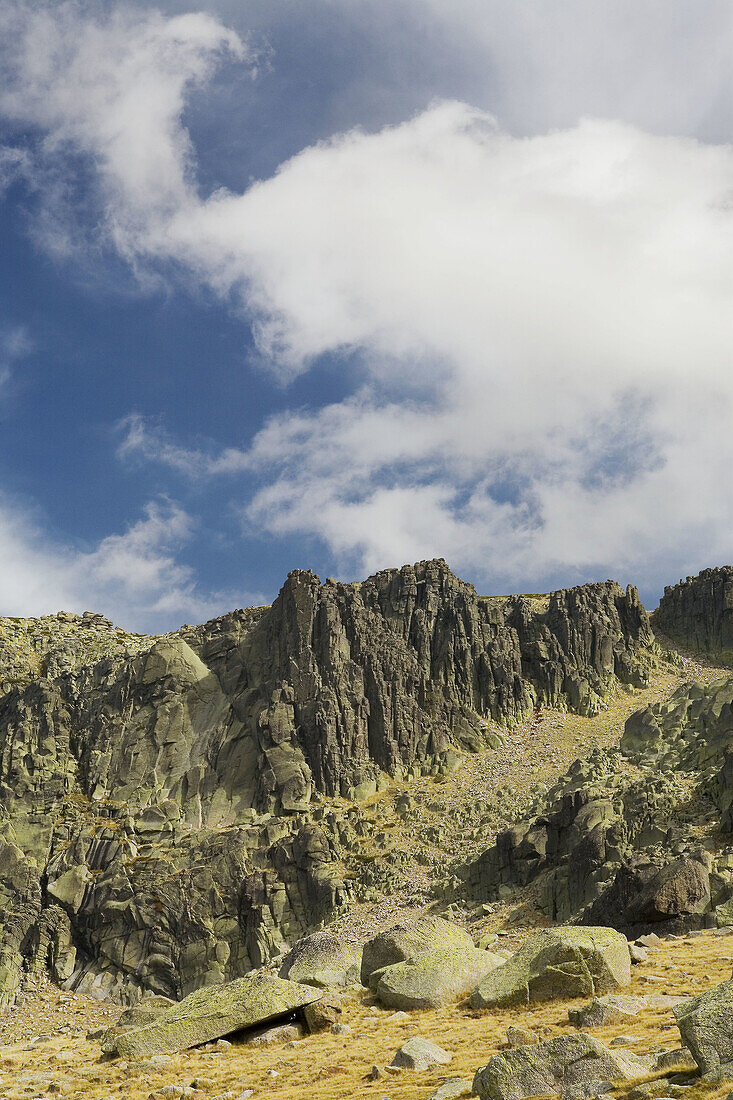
[330, 1067]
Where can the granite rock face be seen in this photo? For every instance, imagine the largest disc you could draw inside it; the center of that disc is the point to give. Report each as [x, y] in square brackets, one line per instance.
[698, 612]
[622, 839]
[164, 814]
[558, 963]
[706, 1027]
[575, 1066]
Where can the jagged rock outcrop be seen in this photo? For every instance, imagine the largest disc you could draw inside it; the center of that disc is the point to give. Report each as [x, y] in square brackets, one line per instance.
[698, 613]
[166, 796]
[634, 836]
[53, 644]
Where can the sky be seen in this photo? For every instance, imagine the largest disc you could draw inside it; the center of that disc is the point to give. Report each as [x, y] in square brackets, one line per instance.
[346, 284]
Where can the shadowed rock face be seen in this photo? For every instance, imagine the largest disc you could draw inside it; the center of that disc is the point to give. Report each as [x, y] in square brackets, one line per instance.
[629, 836]
[159, 799]
[698, 612]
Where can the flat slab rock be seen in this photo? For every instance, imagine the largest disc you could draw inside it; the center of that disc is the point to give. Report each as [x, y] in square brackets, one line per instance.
[211, 1013]
[572, 1065]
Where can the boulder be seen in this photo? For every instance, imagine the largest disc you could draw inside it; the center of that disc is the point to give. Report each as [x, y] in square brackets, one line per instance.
[421, 1054]
[429, 936]
[679, 1058]
[573, 1065]
[558, 962]
[451, 1089]
[614, 1008]
[322, 959]
[521, 1037]
[149, 1009]
[429, 981]
[680, 888]
[706, 1027]
[269, 1036]
[322, 1014]
[212, 1012]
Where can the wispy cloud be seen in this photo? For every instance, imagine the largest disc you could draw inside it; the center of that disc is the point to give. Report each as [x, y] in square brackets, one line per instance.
[14, 164]
[142, 440]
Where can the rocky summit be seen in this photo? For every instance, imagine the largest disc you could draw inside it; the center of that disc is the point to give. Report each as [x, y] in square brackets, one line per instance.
[396, 801]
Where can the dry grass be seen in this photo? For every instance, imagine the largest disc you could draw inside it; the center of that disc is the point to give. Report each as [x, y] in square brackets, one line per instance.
[327, 1067]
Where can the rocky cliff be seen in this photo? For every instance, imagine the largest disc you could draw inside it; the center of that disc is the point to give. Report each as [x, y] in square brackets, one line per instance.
[636, 835]
[170, 808]
[698, 613]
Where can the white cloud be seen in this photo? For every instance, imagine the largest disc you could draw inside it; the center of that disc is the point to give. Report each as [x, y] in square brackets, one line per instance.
[662, 65]
[141, 440]
[135, 577]
[543, 324]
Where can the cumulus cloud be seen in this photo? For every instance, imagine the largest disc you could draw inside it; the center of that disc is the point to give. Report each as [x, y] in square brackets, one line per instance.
[542, 324]
[134, 577]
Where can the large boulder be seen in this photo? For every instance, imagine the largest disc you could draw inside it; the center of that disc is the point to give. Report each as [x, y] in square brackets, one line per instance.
[706, 1027]
[572, 1065]
[558, 962]
[322, 959]
[431, 980]
[210, 1013]
[679, 889]
[640, 895]
[429, 936]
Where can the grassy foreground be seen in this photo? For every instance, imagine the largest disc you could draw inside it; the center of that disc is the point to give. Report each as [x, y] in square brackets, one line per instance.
[326, 1066]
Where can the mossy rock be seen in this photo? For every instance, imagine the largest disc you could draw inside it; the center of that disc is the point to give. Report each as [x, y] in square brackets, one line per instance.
[212, 1012]
[558, 963]
[430, 936]
[430, 981]
[575, 1066]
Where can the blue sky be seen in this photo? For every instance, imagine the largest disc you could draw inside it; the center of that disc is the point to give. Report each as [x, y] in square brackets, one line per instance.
[351, 283]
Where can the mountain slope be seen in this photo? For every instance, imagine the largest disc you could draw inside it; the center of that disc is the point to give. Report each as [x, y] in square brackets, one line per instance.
[171, 813]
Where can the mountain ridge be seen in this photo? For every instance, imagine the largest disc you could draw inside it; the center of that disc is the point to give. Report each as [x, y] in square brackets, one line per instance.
[168, 809]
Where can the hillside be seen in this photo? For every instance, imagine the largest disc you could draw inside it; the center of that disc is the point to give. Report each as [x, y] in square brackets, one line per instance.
[175, 814]
[146, 851]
